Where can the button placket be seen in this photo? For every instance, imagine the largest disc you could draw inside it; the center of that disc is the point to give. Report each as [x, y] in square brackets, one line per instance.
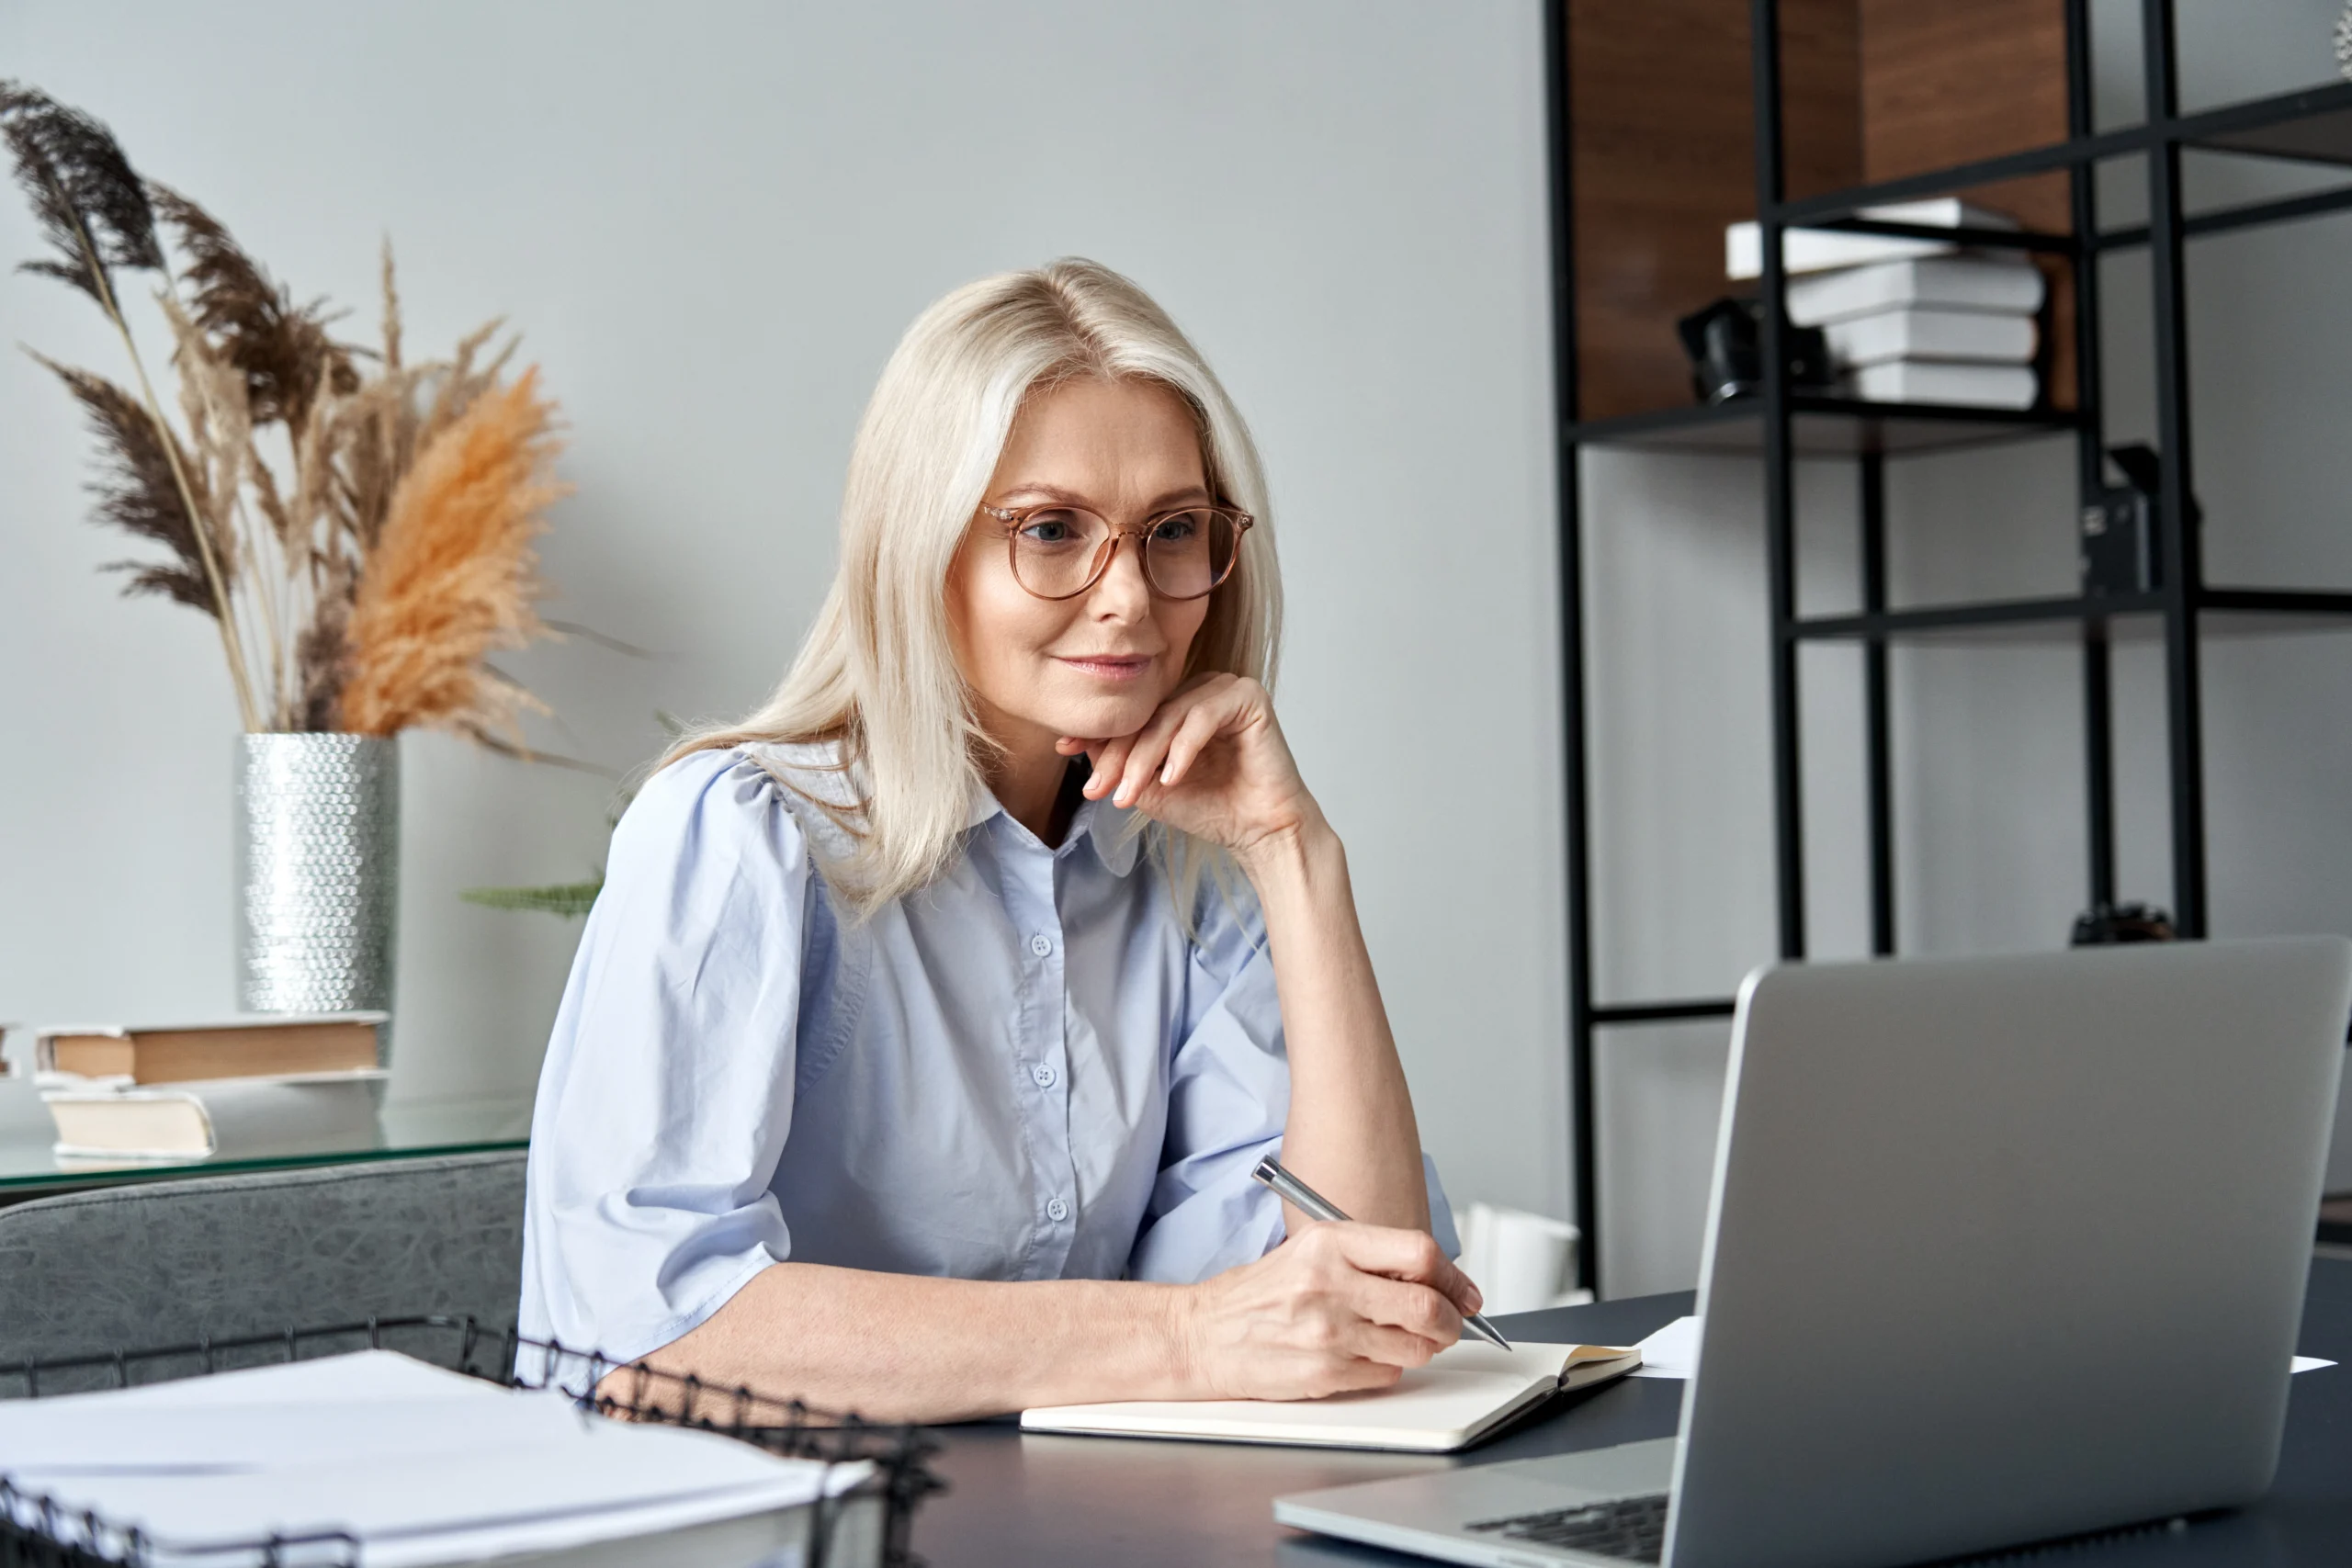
[1041, 1055]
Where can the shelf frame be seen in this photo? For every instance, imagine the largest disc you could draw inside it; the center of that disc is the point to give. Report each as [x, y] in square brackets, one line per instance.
[2204, 131]
[1783, 424]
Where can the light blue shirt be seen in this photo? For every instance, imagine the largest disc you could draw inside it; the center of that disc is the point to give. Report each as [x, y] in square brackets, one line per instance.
[1025, 1071]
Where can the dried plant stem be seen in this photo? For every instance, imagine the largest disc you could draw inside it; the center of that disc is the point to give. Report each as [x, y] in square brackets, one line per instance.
[265, 594]
[224, 611]
[229, 642]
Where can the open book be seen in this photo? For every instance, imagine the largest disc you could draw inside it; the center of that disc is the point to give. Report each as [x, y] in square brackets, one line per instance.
[1468, 1390]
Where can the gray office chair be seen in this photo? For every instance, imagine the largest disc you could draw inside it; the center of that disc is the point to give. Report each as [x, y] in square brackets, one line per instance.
[173, 1263]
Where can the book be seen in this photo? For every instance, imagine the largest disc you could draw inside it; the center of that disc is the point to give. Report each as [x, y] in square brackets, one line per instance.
[1467, 1390]
[1954, 283]
[419, 1466]
[1818, 249]
[1931, 381]
[251, 1046]
[1911, 332]
[116, 1118]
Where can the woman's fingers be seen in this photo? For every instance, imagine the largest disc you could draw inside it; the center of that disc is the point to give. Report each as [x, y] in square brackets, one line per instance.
[1107, 764]
[1149, 745]
[1410, 1256]
[1179, 732]
[1337, 1306]
[1393, 1347]
[1198, 727]
[1383, 1282]
[1421, 1311]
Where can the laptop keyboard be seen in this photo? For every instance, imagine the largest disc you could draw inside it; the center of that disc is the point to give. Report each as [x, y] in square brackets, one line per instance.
[1630, 1527]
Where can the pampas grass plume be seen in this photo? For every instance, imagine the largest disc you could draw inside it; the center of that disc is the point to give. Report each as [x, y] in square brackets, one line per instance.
[453, 577]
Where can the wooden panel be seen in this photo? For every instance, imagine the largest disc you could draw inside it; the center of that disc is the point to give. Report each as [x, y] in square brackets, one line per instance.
[1659, 108]
[1821, 95]
[1943, 85]
[1661, 126]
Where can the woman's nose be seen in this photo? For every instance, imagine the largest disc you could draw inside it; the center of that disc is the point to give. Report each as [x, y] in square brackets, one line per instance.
[1123, 593]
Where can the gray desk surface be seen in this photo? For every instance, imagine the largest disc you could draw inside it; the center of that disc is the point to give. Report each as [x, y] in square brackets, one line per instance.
[1043, 1500]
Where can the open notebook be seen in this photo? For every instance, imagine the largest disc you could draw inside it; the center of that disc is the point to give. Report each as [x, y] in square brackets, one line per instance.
[1465, 1393]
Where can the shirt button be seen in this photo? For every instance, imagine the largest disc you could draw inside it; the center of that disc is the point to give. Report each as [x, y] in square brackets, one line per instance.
[1057, 1209]
[1044, 1073]
[1041, 944]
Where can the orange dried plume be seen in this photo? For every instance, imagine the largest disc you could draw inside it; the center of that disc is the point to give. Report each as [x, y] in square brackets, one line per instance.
[453, 576]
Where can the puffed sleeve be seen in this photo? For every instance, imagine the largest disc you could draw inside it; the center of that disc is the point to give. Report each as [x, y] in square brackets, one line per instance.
[1229, 1094]
[667, 1088]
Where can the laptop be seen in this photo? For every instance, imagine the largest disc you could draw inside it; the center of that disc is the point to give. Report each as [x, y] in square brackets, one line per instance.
[1999, 1250]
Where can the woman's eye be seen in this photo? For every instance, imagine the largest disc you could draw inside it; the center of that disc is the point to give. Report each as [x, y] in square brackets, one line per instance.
[1176, 530]
[1050, 528]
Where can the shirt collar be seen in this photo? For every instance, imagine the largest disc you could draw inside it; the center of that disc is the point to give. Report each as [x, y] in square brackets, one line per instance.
[1106, 825]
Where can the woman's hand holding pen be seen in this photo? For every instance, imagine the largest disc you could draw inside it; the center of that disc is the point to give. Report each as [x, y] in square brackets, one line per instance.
[1336, 1307]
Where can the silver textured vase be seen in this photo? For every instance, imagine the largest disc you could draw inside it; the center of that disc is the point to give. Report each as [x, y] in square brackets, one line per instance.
[318, 860]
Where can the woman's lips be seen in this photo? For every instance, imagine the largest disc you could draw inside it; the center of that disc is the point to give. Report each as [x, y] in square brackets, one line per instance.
[1109, 666]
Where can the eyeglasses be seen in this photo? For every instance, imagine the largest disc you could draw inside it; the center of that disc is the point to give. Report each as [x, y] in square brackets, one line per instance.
[1059, 552]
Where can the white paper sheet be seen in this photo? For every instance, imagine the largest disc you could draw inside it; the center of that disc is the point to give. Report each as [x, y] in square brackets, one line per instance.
[1673, 1352]
[425, 1466]
[1670, 1352]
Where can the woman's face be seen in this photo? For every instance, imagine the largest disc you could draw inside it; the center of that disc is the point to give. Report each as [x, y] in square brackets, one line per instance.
[1095, 666]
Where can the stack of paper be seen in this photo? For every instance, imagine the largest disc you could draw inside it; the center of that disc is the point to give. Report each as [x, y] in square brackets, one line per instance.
[415, 1465]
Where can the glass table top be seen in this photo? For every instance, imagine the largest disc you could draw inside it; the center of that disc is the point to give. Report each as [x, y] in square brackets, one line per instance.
[403, 1131]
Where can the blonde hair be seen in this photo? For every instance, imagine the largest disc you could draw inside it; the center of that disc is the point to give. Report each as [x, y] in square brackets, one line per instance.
[876, 677]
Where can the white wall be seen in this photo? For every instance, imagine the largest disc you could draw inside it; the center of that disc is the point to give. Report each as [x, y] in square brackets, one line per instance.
[712, 221]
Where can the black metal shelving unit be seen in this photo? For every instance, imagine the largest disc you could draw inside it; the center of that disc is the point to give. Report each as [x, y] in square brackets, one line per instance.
[2312, 126]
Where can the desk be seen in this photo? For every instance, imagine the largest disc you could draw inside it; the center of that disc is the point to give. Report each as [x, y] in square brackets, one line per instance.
[1046, 1500]
[27, 1169]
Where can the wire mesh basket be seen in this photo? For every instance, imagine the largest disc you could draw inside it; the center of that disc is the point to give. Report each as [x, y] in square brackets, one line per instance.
[38, 1532]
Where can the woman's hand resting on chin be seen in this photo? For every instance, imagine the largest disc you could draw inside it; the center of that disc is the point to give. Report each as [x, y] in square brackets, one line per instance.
[1336, 1307]
[1212, 762]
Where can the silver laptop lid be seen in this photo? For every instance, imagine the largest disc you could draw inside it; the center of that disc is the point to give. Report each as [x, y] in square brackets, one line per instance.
[2005, 1249]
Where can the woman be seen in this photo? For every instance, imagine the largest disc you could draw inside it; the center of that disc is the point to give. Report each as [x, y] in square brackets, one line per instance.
[918, 1051]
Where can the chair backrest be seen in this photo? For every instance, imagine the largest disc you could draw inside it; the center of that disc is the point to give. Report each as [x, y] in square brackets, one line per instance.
[171, 1262]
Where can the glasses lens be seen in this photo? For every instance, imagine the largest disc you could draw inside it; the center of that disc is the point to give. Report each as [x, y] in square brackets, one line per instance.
[1054, 550]
[1189, 552]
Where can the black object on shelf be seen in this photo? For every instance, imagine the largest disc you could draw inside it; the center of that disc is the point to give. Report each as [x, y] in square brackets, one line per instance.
[2122, 544]
[1725, 341]
[2107, 925]
[2155, 567]
[786, 1427]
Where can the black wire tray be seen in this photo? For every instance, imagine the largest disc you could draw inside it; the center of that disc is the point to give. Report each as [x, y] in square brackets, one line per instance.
[68, 1537]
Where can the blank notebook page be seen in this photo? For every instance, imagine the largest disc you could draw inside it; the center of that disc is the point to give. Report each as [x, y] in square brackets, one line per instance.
[1468, 1388]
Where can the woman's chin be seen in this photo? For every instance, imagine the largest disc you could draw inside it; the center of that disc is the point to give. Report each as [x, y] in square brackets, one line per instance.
[1107, 719]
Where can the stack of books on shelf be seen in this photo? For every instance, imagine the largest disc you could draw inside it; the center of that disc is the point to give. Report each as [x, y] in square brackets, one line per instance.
[1911, 320]
[283, 1083]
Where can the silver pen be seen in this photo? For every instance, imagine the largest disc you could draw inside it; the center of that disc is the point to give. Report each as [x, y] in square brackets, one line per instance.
[1270, 1172]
